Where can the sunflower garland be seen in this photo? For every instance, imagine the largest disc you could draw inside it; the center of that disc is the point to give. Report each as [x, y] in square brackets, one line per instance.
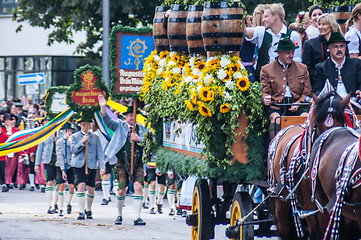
[210, 93]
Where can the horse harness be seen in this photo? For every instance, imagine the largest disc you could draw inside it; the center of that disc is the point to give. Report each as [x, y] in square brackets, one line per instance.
[344, 181]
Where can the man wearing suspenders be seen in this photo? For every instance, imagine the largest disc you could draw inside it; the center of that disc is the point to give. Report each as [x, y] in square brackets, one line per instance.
[267, 37]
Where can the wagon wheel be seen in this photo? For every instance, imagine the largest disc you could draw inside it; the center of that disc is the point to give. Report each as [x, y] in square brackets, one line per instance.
[200, 218]
[241, 206]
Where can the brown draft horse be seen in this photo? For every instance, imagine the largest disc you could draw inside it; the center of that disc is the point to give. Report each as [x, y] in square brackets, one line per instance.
[338, 167]
[285, 145]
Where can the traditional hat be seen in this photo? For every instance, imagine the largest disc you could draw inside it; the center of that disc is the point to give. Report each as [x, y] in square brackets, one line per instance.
[68, 126]
[285, 44]
[336, 37]
[17, 104]
[129, 110]
[7, 116]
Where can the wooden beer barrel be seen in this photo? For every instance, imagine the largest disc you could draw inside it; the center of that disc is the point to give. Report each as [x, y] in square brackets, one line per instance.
[193, 29]
[161, 41]
[177, 28]
[222, 26]
[342, 13]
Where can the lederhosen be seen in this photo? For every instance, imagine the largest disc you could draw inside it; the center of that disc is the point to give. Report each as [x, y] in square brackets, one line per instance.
[263, 57]
[123, 161]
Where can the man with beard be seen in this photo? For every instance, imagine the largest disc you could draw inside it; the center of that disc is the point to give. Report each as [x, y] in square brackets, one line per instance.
[344, 73]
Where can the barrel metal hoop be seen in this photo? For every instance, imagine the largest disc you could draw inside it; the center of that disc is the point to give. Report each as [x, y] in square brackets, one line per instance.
[220, 5]
[222, 17]
[196, 49]
[178, 48]
[162, 8]
[195, 8]
[222, 34]
[177, 36]
[341, 21]
[177, 19]
[162, 36]
[162, 48]
[216, 48]
[343, 8]
[179, 7]
[158, 20]
[194, 20]
[194, 37]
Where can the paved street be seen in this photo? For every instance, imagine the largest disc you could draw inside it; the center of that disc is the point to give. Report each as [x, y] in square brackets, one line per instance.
[23, 216]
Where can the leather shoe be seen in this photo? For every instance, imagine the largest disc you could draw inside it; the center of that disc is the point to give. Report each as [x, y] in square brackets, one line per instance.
[109, 199]
[5, 188]
[184, 214]
[145, 206]
[42, 189]
[61, 213]
[179, 211]
[10, 186]
[172, 212]
[139, 222]
[51, 210]
[56, 209]
[88, 214]
[68, 210]
[81, 216]
[119, 220]
[159, 206]
[105, 202]
[32, 188]
[152, 211]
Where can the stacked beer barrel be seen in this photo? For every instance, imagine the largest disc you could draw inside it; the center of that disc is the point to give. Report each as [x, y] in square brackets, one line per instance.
[342, 13]
[214, 27]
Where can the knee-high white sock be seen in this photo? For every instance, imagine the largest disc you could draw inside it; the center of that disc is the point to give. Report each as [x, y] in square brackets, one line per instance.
[138, 202]
[171, 197]
[81, 201]
[89, 201]
[178, 199]
[55, 192]
[145, 193]
[32, 179]
[49, 195]
[106, 189]
[61, 200]
[151, 199]
[120, 204]
[160, 198]
[71, 195]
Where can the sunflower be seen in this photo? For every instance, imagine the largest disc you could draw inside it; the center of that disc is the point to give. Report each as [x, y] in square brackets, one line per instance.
[225, 108]
[242, 84]
[176, 58]
[201, 65]
[204, 110]
[163, 54]
[206, 94]
[235, 67]
[189, 105]
[227, 77]
[213, 62]
[171, 81]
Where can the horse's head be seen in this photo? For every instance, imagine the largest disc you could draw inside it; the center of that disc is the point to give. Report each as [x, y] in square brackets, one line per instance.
[328, 112]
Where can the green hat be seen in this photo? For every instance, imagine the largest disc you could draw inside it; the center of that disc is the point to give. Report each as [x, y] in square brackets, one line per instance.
[286, 44]
[336, 37]
[68, 126]
[129, 110]
[17, 104]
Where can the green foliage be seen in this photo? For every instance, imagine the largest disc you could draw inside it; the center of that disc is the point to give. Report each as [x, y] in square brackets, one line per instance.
[328, 4]
[69, 16]
[49, 98]
[113, 55]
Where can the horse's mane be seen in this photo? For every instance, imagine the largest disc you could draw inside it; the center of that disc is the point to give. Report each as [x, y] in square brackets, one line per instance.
[322, 104]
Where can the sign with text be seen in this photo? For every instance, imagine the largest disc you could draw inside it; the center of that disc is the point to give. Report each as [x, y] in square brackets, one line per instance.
[132, 49]
[58, 104]
[88, 94]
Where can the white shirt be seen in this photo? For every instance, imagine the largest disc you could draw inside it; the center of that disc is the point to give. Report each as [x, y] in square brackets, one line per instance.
[288, 92]
[312, 32]
[258, 35]
[340, 89]
[351, 35]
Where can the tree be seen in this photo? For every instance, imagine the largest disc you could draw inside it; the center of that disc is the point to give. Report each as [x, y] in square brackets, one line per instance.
[69, 16]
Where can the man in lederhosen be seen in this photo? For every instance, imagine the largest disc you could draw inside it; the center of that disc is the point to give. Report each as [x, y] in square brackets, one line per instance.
[83, 158]
[64, 171]
[120, 145]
